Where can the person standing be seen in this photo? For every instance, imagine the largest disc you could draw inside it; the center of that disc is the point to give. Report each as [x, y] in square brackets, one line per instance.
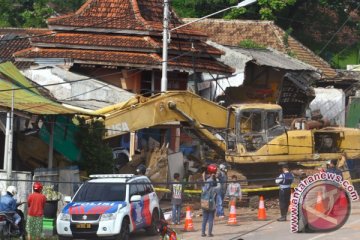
[332, 167]
[210, 190]
[176, 198]
[284, 180]
[233, 191]
[36, 203]
[222, 176]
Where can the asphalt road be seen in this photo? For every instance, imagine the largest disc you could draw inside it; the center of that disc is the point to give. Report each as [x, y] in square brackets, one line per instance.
[280, 230]
[251, 229]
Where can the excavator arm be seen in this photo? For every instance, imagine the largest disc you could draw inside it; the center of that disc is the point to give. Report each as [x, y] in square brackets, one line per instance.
[182, 106]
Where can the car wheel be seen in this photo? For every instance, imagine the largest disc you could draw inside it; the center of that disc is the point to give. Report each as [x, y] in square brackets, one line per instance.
[125, 230]
[154, 220]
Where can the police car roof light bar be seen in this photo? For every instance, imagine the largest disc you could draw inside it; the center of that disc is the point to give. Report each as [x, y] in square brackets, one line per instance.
[112, 176]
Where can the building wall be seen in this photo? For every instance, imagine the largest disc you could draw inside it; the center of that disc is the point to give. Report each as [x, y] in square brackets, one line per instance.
[261, 84]
[136, 81]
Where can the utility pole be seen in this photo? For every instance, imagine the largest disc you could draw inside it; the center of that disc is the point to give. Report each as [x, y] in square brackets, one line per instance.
[51, 143]
[9, 140]
[166, 32]
[164, 80]
[7, 136]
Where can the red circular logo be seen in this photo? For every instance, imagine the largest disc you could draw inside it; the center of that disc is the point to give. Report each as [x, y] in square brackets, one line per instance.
[325, 206]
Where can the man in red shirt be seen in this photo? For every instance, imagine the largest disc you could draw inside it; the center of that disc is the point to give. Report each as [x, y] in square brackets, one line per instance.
[36, 203]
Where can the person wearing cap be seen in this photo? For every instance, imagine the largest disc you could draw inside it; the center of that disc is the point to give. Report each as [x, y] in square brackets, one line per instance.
[284, 180]
[332, 167]
[36, 204]
[211, 188]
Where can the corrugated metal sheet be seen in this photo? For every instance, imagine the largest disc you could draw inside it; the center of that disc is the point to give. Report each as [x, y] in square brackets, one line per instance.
[25, 99]
[70, 88]
[273, 58]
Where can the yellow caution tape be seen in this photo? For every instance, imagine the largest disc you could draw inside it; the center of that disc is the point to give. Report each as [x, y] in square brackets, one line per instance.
[242, 190]
[259, 189]
[162, 190]
[355, 180]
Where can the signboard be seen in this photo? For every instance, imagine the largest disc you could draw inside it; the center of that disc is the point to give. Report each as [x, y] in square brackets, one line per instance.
[321, 203]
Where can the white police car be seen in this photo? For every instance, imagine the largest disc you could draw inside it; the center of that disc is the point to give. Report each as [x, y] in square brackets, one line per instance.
[110, 207]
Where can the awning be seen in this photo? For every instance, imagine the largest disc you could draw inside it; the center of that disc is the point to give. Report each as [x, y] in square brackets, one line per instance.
[27, 98]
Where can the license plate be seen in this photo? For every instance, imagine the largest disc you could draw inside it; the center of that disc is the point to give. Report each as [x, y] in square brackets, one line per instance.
[83, 225]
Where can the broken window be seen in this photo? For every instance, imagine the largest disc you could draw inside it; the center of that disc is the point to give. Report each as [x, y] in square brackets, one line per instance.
[250, 122]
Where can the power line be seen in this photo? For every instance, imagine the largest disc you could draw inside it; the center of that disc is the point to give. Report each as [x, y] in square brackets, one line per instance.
[215, 140]
[340, 28]
[89, 78]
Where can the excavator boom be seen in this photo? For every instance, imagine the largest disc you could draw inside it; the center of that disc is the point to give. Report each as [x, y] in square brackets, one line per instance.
[250, 133]
[181, 106]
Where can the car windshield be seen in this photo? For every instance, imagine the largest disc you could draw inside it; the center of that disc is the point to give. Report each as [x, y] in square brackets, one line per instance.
[95, 192]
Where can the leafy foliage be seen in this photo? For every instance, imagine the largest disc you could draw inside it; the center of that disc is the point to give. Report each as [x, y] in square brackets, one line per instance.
[248, 43]
[314, 23]
[96, 156]
[36, 17]
[33, 13]
[286, 37]
[268, 8]
[263, 9]
[63, 6]
[328, 27]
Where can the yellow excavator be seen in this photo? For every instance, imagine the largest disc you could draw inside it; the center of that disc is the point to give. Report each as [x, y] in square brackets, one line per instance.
[251, 136]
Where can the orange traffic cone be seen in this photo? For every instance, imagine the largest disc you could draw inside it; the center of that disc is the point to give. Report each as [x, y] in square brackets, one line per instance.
[232, 216]
[261, 211]
[188, 221]
[319, 206]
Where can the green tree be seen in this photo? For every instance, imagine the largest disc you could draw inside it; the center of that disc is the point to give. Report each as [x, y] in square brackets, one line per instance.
[330, 28]
[33, 13]
[38, 13]
[263, 9]
[9, 16]
[96, 156]
[66, 6]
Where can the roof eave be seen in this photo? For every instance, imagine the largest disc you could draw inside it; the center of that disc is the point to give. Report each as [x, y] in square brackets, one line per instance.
[99, 30]
[93, 47]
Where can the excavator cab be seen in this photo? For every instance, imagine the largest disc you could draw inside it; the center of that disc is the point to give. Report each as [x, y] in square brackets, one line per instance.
[257, 124]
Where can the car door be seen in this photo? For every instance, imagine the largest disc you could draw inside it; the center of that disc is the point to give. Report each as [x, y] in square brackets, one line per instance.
[146, 197]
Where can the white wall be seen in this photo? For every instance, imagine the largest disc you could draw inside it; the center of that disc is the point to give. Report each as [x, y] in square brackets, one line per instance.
[331, 102]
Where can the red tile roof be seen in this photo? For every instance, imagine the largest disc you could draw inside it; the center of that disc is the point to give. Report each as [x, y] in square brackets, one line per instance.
[95, 40]
[13, 40]
[122, 33]
[118, 42]
[123, 59]
[186, 46]
[119, 15]
[232, 32]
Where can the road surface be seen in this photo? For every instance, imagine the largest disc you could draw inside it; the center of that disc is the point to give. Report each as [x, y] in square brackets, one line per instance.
[251, 229]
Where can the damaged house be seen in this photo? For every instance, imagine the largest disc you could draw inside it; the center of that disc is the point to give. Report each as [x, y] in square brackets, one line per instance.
[116, 44]
[283, 75]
